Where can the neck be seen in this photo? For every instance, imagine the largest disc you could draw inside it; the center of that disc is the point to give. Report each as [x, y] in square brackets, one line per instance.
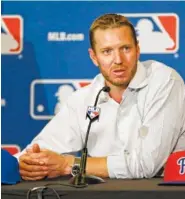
[116, 92]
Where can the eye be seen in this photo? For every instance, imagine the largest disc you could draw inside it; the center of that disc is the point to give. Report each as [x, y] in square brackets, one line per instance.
[126, 48]
[107, 51]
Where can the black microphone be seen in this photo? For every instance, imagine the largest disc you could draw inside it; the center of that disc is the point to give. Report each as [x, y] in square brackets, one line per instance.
[81, 179]
[105, 89]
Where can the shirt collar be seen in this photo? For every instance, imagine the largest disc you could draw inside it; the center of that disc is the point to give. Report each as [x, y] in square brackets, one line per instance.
[98, 83]
[140, 79]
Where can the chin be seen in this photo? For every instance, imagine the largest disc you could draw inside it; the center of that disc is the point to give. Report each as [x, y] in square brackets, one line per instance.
[120, 83]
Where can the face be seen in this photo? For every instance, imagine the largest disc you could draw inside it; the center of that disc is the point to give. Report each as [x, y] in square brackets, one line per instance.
[116, 55]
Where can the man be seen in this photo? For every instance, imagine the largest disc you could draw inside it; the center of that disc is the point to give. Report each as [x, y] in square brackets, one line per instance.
[141, 120]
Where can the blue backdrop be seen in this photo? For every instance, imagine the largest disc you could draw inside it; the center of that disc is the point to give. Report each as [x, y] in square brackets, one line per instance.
[45, 57]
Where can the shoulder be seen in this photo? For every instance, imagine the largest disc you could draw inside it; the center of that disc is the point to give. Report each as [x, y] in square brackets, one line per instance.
[160, 72]
[162, 81]
[81, 93]
[86, 94]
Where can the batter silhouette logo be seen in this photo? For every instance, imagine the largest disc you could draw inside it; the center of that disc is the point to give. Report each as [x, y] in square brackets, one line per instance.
[11, 34]
[156, 32]
[47, 96]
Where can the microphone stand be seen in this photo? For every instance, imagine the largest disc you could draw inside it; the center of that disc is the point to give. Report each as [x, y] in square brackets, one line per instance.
[81, 179]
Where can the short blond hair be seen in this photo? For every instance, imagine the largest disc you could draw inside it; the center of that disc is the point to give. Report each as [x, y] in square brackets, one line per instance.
[110, 21]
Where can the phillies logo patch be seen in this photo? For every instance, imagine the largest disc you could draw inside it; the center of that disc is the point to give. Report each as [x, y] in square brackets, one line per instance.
[11, 34]
[156, 32]
[181, 163]
[93, 113]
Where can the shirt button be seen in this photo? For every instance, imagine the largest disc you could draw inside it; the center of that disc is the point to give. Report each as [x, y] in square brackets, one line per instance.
[126, 152]
[143, 131]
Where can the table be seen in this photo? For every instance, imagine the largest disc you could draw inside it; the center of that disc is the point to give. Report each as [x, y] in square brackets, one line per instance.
[112, 189]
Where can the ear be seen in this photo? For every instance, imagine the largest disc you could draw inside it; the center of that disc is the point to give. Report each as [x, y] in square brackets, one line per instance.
[93, 57]
[138, 50]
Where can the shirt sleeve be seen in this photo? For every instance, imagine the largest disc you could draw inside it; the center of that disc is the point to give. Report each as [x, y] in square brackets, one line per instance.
[61, 134]
[162, 123]
[180, 146]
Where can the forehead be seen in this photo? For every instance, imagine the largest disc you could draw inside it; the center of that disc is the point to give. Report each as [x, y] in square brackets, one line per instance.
[112, 36]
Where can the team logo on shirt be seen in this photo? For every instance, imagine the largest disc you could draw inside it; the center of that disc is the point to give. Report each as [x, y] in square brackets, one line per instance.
[47, 96]
[181, 163]
[93, 112]
[156, 32]
[11, 34]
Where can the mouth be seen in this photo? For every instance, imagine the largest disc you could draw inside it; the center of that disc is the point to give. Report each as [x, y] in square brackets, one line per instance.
[119, 72]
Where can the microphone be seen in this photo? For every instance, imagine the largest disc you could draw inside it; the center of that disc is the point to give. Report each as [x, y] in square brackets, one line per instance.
[105, 89]
[81, 179]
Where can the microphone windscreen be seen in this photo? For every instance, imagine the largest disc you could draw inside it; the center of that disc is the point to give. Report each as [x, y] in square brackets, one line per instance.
[106, 89]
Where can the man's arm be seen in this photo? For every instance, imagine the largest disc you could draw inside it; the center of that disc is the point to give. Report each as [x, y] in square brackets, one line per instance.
[36, 165]
[180, 146]
[97, 166]
[60, 135]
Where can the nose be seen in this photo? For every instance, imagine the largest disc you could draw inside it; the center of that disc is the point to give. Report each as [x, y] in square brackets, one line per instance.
[118, 58]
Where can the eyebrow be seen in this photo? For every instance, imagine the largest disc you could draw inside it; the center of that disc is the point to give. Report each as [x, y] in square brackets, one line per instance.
[110, 47]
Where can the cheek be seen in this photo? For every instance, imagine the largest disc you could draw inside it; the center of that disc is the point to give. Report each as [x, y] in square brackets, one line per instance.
[131, 62]
[105, 62]
[131, 59]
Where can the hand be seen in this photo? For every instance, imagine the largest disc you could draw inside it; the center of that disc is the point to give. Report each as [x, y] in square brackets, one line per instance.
[34, 149]
[32, 168]
[56, 163]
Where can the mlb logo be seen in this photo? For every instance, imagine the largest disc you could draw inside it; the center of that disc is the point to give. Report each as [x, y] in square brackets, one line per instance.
[93, 112]
[47, 96]
[11, 34]
[11, 148]
[156, 32]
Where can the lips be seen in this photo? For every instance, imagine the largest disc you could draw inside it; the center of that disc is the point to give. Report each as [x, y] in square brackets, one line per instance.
[119, 72]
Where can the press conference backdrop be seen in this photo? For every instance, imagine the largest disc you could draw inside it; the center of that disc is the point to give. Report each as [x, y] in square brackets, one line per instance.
[45, 55]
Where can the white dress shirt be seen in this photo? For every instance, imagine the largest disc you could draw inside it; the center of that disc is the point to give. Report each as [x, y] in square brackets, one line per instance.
[136, 135]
